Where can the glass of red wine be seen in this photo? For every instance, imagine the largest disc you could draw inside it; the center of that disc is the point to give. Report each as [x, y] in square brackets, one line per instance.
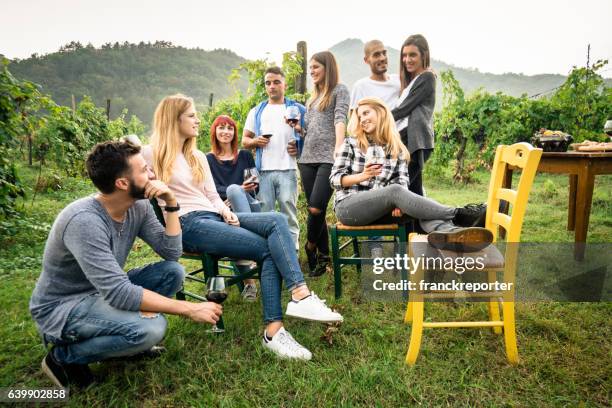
[216, 293]
[375, 156]
[292, 113]
[251, 175]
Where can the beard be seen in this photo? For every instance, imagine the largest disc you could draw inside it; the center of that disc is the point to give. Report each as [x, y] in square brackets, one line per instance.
[137, 193]
[380, 69]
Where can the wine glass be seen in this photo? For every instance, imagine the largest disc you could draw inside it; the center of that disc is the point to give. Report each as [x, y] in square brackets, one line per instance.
[267, 133]
[375, 156]
[216, 293]
[292, 114]
[251, 175]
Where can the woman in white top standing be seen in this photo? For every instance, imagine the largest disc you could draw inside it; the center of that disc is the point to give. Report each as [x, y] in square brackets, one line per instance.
[414, 110]
[208, 225]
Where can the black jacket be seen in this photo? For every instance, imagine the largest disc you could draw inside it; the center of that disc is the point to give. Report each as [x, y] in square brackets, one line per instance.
[419, 107]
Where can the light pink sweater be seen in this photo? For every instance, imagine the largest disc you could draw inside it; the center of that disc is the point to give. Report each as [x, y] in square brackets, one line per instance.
[189, 195]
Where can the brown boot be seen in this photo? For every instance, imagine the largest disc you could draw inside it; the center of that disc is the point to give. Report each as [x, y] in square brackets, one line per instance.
[461, 239]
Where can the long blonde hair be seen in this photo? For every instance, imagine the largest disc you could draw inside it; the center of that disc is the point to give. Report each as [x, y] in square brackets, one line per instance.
[385, 134]
[166, 140]
[324, 92]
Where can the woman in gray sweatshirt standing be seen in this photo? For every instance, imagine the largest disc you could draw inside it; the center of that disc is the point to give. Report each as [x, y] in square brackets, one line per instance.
[324, 131]
[413, 113]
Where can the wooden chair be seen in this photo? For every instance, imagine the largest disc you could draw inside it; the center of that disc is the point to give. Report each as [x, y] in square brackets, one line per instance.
[212, 265]
[520, 156]
[398, 231]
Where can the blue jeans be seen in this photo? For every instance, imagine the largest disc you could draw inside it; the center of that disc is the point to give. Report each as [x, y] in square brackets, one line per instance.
[262, 237]
[281, 186]
[242, 202]
[96, 331]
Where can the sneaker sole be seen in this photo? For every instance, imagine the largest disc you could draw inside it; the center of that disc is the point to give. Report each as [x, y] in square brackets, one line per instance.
[461, 240]
[49, 373]
[314, 320]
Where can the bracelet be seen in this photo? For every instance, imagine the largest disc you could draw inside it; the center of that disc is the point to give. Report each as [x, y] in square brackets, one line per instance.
[172, 209]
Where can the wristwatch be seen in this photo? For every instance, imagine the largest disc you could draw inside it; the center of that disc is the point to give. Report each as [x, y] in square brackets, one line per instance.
[172, 209]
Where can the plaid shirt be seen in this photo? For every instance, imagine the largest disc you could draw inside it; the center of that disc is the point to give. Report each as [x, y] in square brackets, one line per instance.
[350, 160]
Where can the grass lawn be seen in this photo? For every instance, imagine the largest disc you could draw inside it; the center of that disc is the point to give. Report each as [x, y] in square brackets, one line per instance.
[565, 348]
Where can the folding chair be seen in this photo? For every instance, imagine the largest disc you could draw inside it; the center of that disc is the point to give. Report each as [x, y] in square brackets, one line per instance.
[211, 266]
[520, 156]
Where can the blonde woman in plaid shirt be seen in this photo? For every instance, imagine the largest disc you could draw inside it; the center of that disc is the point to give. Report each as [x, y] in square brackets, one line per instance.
[368, 192]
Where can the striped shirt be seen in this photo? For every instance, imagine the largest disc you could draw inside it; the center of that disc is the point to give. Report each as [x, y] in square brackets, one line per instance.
[351, 160]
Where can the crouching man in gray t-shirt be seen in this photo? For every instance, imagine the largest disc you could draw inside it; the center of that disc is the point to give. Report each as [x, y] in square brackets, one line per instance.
[84, 303]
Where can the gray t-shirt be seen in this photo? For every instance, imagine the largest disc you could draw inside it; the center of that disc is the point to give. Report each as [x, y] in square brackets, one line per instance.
[85, 254]
[320, 127]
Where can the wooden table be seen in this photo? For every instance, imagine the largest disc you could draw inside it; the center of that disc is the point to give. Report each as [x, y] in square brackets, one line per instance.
[582, 167]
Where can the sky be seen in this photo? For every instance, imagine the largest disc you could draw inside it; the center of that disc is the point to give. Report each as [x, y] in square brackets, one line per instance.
[521, 36]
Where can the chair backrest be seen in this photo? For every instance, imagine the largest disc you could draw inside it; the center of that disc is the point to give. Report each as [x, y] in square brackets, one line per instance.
[519, 156]
[158, 211]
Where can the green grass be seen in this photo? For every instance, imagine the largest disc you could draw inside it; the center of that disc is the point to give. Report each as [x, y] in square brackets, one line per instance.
[564, 347]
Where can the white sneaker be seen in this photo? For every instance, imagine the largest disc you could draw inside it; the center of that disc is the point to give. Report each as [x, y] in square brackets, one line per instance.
[312, 308]
[284, 345]
[249, 293]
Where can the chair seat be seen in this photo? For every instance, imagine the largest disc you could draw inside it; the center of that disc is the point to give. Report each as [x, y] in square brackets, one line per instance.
[343, 227]
[492, 257]
[198, 255]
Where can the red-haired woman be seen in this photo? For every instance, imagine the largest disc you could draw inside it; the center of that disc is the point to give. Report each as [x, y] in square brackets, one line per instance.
[227, 165]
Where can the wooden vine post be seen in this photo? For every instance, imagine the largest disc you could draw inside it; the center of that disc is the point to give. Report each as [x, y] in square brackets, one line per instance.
[300, 86]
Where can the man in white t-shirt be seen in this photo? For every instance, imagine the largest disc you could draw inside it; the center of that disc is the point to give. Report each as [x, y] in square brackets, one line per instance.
[386, 87]
[276, 146]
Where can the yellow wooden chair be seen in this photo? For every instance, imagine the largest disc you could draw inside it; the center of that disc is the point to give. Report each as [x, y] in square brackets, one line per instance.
[520, 156]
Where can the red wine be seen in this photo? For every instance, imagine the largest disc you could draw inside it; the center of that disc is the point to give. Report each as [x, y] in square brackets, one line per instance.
[217, 297]
[293, 121]
[267, 136]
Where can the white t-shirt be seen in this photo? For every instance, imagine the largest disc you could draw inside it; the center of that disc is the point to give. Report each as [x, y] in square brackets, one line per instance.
[387, 90]
[274, 155]
[403, 123]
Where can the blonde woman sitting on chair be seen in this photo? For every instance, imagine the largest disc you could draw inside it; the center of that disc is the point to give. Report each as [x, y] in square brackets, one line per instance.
[208, 225]
[371, 185]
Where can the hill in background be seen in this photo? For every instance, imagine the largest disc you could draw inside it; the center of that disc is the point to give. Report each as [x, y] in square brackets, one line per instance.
[137, 76]
[349, 54]
[133, 76]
